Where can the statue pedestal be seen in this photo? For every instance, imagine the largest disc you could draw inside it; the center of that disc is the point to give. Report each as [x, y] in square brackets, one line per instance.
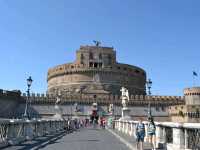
[58, 114]
[125, 114]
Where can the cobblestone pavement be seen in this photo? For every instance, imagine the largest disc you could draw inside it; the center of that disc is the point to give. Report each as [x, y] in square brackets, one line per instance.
[87, 139]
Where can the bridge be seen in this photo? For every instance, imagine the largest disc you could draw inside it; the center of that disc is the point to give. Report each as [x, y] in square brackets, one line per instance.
[56, 134]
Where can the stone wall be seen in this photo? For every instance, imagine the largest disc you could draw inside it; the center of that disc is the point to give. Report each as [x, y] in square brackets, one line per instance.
[9, 101]
[42, 105]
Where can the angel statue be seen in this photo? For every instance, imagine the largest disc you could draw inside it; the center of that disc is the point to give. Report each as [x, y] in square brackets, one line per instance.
[125, 96]
[57, 108]
[111, 108]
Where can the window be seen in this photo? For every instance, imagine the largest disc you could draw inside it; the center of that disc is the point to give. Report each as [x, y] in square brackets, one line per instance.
[82, 56]
[157, 108]
[91, 64]
[100, 56]
[100, 65]
[163, 108]
[95, 65]
[109, 59]
[137, 71]
[91, 56]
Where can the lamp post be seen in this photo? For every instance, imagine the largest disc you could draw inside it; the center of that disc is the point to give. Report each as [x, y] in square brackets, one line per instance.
[70, 101]
[149, 84]
[29, 82]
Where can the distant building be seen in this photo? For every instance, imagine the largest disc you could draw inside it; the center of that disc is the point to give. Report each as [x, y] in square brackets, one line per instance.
[96, 77]
[96, 71]
[190, 111]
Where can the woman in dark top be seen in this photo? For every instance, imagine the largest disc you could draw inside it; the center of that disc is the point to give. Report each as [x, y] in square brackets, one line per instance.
[151, 131]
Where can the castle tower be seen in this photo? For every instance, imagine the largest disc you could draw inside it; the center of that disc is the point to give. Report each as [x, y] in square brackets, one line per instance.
[192, 96]
[190, 111]
[96, 71]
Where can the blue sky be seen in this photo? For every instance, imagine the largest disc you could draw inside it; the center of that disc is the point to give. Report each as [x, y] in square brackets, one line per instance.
[163, 37]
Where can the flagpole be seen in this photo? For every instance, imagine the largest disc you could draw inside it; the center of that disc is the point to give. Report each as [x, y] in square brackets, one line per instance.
[193, 80]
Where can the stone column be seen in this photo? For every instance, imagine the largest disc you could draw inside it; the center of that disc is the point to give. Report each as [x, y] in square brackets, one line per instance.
[120, 126]
[146, 135]
[116, 124]
[29, 130]
[178, 138]
[164, 136]
[123, 127]
[126, 127]
[186, 139]
[131, 131]
[159, 134]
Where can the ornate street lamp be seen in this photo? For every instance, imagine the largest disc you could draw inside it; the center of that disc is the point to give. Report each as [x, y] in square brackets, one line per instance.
[149, 84]
[29, 82]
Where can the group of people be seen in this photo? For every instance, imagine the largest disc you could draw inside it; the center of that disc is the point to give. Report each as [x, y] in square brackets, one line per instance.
[140, 133]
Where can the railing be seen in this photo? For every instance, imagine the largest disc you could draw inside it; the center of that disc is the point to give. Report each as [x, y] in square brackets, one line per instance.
[169, 135]
[13, 132]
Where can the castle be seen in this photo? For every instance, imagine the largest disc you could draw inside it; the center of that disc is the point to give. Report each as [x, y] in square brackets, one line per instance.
[96, 77]
[96, 71]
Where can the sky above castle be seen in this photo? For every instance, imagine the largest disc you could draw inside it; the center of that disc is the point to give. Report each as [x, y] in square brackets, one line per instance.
[162, 37]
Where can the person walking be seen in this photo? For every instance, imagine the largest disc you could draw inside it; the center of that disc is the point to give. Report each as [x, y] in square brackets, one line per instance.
[140, 134]
[151, 132]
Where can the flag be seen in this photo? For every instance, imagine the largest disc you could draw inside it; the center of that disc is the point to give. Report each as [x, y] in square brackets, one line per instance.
[194, 73]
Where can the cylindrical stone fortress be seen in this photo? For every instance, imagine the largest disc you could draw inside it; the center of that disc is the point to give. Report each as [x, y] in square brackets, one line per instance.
[96, 71]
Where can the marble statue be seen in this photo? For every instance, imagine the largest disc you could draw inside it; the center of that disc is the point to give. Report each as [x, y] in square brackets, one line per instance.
[125, 96]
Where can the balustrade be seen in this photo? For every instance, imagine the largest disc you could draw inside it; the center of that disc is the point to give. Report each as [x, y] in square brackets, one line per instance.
[169, 135]
[13, 132]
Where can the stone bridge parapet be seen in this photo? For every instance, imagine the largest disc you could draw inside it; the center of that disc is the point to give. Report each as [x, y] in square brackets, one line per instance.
[169, 135]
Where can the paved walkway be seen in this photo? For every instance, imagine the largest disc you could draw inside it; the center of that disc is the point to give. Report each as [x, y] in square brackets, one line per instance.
[87, 139]
[84, 139]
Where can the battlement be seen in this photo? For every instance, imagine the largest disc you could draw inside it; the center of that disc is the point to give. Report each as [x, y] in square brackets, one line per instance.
[105, 99]
[192, 91]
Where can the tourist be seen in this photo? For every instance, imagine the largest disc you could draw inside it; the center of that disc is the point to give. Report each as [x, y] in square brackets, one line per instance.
[140, 134]
[151, 131]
